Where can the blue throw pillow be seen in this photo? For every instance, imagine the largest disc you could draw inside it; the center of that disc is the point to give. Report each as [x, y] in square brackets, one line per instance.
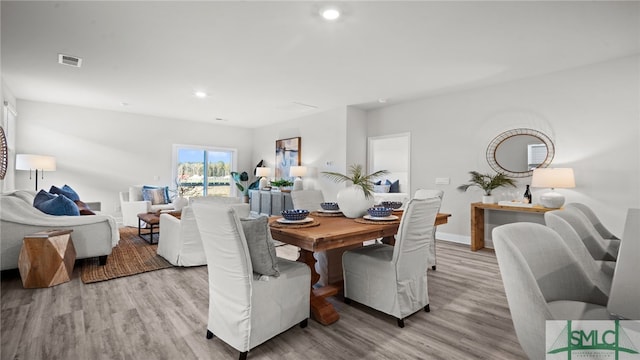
[379, 182]
[66, 191]
[394, 187]
[59, 205]
[165, 193]
[41, 197]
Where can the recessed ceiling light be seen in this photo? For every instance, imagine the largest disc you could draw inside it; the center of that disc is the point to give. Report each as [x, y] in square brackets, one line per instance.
[200, 94]
[330, 14]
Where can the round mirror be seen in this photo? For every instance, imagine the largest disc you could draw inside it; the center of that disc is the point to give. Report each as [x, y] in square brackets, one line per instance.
[517, 152]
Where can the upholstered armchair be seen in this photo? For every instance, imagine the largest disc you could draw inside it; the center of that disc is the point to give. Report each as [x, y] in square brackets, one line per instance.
[247, 308]
[543, 281]
[425, 194]
[180, 241]
[393, 279]
[599, 248]
[595, 221]
[132, 204]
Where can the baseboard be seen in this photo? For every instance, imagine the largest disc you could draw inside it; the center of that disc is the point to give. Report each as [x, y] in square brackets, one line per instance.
[460, 239]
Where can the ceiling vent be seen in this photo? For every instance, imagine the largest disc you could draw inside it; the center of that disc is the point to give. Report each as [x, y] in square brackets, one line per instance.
[69, 60]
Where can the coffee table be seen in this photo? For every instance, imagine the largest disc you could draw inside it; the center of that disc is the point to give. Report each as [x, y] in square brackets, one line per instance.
[152, 219]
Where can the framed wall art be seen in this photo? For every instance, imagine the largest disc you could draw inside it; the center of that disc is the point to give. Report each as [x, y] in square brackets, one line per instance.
[287, 155]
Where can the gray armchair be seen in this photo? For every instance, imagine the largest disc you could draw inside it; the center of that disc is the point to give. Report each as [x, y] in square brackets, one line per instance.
[393, 279]
[244, 309]
[425, 194]
[543, 281]
[595, 221]
[599, 248]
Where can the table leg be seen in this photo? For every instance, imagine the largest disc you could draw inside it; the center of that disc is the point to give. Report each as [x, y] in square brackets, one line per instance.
[322, 310]
[477, 228]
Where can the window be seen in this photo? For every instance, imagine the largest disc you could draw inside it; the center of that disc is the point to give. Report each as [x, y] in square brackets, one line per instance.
[203, 171]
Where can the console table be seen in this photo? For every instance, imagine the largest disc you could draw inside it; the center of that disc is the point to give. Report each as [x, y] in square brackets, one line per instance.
[269, 202]
[477, 219]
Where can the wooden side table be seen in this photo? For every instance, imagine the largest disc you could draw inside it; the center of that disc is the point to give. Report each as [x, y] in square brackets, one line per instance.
[46, 258]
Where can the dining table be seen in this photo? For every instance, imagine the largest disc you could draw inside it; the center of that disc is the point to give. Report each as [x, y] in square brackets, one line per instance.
[332, 232]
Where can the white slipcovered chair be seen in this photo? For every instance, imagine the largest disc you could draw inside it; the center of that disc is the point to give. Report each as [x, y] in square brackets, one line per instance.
[599, 248]
[132, 204]
[393, 279]
[543, 281]
[329, 263]
[180, 241]
[244, 309]
[601, 272]
[425, 194]
[595, 221]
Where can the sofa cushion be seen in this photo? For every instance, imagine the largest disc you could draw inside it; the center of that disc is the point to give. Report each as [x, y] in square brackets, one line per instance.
[261, 248]
[66, 190]
[381, 188]
[57, 205]
[156, 196]
[394, 187]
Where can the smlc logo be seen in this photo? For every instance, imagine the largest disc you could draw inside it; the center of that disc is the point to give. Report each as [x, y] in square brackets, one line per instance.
[613, 339]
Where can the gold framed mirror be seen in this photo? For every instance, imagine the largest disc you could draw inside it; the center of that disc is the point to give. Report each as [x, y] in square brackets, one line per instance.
[517, 152]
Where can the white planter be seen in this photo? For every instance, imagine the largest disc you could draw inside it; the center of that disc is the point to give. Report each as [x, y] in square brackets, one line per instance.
[353, 203]
[488, 199]
[179, 202]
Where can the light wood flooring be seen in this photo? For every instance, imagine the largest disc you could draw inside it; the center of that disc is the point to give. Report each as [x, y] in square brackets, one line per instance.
[163, 315]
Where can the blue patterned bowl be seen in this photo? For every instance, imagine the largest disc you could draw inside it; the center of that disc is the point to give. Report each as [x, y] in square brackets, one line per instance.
[295, 214]
[392, 204]
[379, 211]
[329, 206]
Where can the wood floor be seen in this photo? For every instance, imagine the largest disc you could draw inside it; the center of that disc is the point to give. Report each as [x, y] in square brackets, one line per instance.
[163, 315]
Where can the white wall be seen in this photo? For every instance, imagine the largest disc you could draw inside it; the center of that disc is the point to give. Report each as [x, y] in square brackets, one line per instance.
[100, 153]
[323, 146]
[590, 113]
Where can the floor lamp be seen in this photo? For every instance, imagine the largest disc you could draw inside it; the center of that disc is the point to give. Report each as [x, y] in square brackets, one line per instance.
[40, 163]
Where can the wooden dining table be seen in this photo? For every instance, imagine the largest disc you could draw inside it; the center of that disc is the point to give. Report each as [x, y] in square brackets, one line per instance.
[331, 233]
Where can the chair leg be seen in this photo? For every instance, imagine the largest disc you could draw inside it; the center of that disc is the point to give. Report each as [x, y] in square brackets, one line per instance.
[400, 323]
[209, 334]
[433, 267]
[243, 355]
[102, 260]
[304, 323]
[427, 308]
[347, 301]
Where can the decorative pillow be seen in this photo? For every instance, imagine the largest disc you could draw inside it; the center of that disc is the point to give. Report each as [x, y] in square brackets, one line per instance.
[156, 196]
[379, 182]
[394, 187]
[165, 193]
[261, 248]
[83, 208]
[41, 197]
[58, 205]
[381, 188]
[66, 191]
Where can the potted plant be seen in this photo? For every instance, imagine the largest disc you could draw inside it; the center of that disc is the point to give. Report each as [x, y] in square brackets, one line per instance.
[241, 180]
[281, 184]
[487, 183]
[357, 198]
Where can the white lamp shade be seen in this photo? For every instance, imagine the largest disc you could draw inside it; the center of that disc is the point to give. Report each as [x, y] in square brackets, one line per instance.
[553, 178]
[35, 162]
[263, 171]
[297, 171]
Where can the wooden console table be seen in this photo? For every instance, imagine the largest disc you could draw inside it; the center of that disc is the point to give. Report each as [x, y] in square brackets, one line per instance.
[477, 219]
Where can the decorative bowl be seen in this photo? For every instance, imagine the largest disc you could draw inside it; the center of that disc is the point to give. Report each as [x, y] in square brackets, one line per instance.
[329, 206]
[295, 214]
[392, 204]
[379, 211]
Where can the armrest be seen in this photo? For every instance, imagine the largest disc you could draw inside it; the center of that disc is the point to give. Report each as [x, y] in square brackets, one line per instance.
[131, 209]
[170, 242]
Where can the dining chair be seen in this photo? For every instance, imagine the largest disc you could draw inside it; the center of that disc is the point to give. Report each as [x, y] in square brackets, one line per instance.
[393, 279]
[543, 280]
[600, 271]
[593, 218]
[245, 308]
[599, 248]
[425, 194]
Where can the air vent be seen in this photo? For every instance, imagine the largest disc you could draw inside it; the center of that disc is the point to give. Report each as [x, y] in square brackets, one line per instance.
[69, 60]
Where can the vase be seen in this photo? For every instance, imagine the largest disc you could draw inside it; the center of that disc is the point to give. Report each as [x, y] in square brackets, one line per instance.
[353, 203]
[179, 202]
[488, 199]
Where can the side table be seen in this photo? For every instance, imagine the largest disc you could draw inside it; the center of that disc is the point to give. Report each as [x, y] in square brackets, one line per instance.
[46, 258]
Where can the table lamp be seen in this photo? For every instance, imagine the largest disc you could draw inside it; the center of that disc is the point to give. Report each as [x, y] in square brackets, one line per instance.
[263, 172]
[297, 171]
[553, 178]
[35, 162]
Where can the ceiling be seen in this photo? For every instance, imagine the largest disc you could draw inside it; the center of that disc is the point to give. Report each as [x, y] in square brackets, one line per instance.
[265, 62]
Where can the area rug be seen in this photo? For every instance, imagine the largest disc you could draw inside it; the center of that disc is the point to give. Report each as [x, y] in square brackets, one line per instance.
[131, 256]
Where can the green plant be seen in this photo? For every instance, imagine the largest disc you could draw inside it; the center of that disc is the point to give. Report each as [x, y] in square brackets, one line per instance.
[487, 182]
[357, 177]
[241, 180]
[281, 182]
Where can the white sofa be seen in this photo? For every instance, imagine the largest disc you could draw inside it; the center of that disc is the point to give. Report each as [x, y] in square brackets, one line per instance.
[92, 236]
[132, 204]
[180, 242]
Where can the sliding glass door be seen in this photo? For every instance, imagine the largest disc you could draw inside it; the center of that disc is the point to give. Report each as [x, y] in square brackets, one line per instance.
[203, 171]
